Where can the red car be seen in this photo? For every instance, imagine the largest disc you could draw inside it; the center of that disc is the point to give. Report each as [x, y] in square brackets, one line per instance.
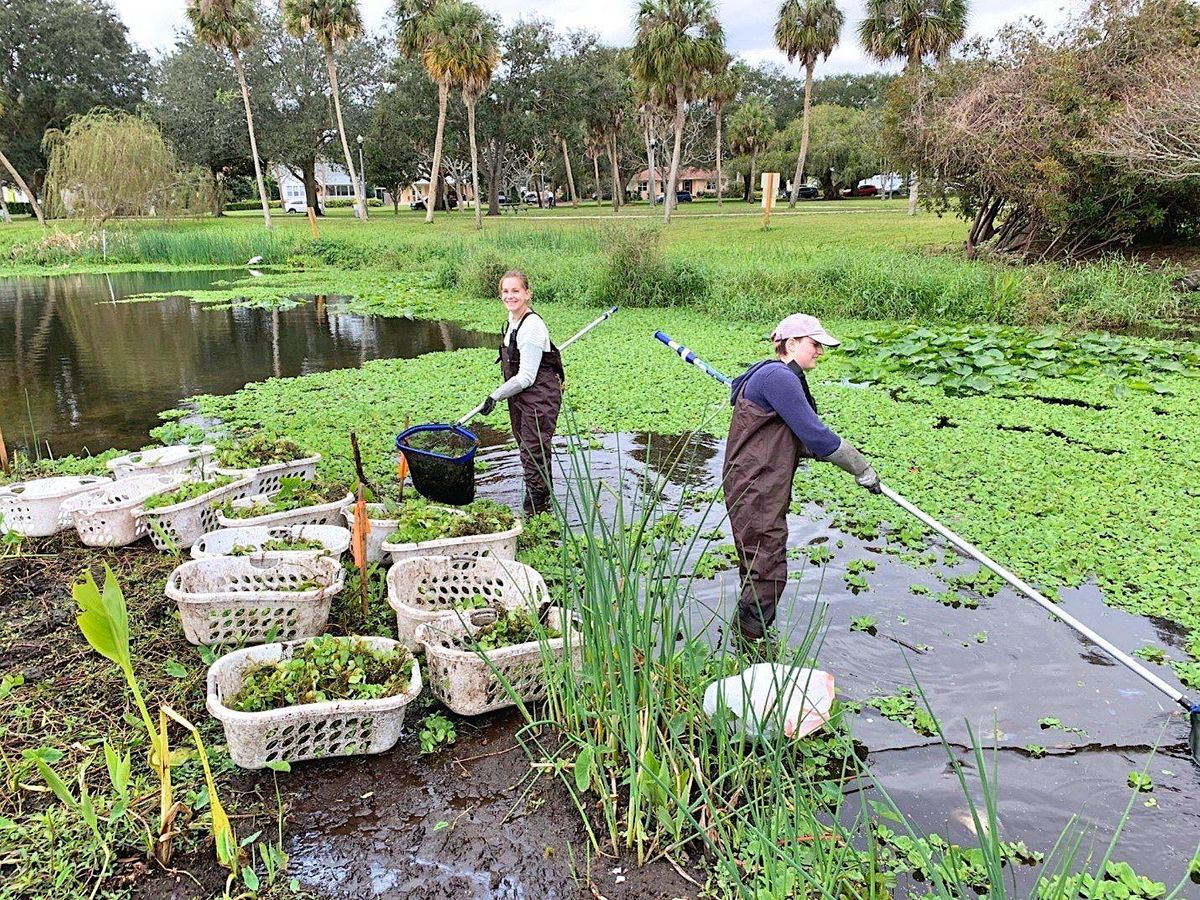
[863, 190]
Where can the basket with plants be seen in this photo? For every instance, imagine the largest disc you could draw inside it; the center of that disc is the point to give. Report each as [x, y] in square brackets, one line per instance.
[178, 459]
[178, 518]
[244, 600]
[425, 588]
[267, 459]
[34, 508]
[108, 516]
[328, 696]
[484, 660]
[297, 502]
[283, 543]
[481, 528]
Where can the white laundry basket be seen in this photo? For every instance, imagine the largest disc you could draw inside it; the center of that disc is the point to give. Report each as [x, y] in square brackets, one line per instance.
[500, 544]
[34, 508]
[335, 541]
[267, 478]
[305, 731]
[317, 514]
[425, 588]
[108, 516]
[470, 684]
[380, 528]
[180, 525]
[239, 600]
[178, 459]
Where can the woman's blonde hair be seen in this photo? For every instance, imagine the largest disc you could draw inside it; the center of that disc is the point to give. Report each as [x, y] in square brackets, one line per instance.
[518, 274]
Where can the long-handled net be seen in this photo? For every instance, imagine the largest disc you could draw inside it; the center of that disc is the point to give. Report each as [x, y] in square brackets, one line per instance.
[441, 457]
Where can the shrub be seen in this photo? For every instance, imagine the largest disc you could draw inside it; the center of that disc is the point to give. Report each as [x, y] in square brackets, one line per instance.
[636, 273]
[19, 209]
[251, 204]
[347, 202]
[480, 271]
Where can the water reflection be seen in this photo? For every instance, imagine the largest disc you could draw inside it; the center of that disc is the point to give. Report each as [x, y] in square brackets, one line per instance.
[79, 371]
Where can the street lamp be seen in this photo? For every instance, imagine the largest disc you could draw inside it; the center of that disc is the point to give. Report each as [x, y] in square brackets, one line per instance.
[362, 176]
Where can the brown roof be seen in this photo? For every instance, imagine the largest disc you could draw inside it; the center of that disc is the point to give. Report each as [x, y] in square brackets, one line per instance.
[686, 173]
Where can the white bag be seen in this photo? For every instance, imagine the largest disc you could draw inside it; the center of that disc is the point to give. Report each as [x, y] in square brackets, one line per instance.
[763, 696]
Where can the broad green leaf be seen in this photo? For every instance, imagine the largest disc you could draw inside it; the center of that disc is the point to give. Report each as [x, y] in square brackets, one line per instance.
[175, 669]
[103, 617]
[249, 878]
[583, 768]
[61, 791]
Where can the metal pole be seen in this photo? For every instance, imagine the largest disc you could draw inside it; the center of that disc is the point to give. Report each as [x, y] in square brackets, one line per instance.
[362, 178]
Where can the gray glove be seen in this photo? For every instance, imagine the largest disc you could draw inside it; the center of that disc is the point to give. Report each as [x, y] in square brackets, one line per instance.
[847, 458]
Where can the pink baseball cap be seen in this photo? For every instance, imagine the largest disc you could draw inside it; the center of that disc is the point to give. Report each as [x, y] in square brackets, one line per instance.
[800, 325]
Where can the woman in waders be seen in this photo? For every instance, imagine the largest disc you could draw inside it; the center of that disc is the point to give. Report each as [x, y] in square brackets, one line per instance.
[533, 372]
[775, 424]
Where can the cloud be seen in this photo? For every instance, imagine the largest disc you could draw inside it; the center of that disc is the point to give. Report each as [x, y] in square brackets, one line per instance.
[749, 26]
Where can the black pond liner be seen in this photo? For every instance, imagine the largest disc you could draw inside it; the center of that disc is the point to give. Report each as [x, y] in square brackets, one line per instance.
[441, 460]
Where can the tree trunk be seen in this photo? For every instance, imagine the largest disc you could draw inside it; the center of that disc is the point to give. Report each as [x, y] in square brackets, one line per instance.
[443, 93]
[359, 200]
[753, 165]
[651, 189]
[258, 174]
[673, 178]
[612, 157]
[803, 157]
[33, 204]
[570, 174]
[914, 62]
[309, 168]
[596, 169]
[474, 163]
[4, 216]
[494, 182]
[218, 200]
[719, 158]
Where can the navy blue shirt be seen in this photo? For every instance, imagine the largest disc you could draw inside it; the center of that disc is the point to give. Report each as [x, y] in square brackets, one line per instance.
[775, 388]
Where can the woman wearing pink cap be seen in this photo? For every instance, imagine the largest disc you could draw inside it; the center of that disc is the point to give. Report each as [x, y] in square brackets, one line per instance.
[775, 423]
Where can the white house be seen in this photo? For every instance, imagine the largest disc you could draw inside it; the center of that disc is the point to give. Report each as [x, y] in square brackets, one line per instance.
[12, 194]
[333, 181]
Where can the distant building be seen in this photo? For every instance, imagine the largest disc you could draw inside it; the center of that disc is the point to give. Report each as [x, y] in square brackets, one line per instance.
[13, 195]
[700, 182]
[333, 181]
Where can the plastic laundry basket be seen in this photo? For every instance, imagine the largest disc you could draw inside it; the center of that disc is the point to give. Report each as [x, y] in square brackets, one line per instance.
[180, 525]
[471, 684]
[34, 508]
[108, 516]
[267, 478]
[317, 514]
[239, 600]
[424, 588]
[178, 459]
[335, 541]
[500, 544]
[304, 731]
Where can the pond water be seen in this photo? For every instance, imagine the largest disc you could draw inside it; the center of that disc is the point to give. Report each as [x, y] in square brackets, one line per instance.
[81, 371]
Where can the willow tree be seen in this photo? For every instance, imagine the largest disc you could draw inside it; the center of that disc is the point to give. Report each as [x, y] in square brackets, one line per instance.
[333, 23]
[232, 25]
[677, 43]
[806, 30]
[109, 163]
[462, 50]
[33, 203]
[749, 132]
[912, 30]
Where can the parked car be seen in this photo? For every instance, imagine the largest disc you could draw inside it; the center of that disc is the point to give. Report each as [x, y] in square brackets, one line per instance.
[530, 197]
[863, 190]
[604, 197]
[419, 203]
[806, 192]
[680, 197]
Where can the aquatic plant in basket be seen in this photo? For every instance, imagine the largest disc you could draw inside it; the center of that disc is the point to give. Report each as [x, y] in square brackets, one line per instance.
[418, 520]
[326, 668]
[260, 450]
[294, 493]
[511, 628]
[189, 491]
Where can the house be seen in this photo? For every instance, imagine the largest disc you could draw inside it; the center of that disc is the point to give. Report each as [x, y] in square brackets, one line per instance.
[12, 194]
[333, 182]
[699, 181]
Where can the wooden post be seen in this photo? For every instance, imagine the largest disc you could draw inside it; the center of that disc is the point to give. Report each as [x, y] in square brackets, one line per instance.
[312, 224]
[4, 464]
[770, 186]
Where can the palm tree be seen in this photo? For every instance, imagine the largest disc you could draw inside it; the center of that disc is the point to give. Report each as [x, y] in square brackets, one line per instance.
[462, 50]
[233, 25]
[720, 90]
[677, 43]
[805, 30]
[912, 30]
[334, 22]
[37, 209]
[749, 131]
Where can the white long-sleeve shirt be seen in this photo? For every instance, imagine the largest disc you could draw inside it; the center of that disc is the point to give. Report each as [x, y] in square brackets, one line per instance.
[532, 341]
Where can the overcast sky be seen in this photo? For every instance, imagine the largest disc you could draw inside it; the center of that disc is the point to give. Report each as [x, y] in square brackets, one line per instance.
[748, 23]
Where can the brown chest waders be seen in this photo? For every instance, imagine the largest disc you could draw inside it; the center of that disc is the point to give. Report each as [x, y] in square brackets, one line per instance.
[761, 457]
[533, 414]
